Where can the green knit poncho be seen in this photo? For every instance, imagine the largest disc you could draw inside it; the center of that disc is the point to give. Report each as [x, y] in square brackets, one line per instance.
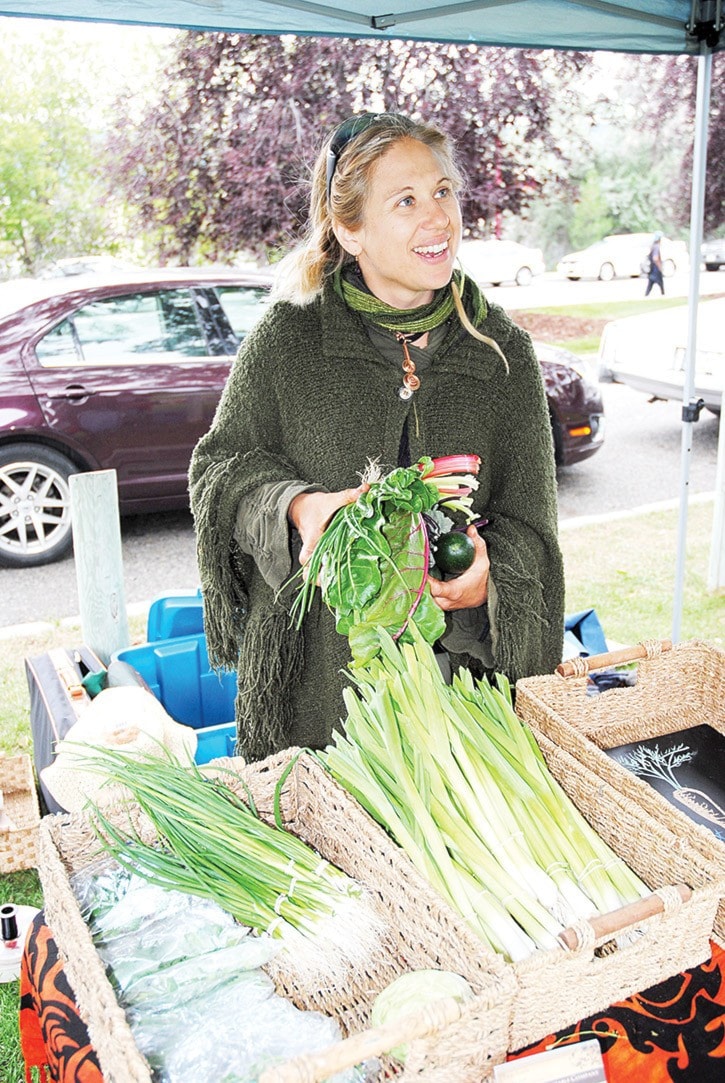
[309, 398]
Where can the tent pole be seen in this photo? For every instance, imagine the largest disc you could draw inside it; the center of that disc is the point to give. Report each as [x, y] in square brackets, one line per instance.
[716, 572]
[690, 409]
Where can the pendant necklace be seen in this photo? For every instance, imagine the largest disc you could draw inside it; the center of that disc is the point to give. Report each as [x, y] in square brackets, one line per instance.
[411, 381]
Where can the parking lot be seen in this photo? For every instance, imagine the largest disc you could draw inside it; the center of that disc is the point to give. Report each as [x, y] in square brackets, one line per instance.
[639, 465]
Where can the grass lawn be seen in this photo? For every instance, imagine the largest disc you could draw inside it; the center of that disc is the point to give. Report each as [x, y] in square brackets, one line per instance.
[23, 889]
[625, 569]
[579, 328]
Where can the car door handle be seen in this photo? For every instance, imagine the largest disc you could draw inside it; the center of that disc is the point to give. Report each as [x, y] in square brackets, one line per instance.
[74, 393]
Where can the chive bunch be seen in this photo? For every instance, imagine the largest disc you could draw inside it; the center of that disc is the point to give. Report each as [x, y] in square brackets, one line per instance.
[212, 844]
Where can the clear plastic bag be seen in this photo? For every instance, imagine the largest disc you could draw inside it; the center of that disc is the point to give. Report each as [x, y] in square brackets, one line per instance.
[190, 980]
[232, 1035]
[161, 946]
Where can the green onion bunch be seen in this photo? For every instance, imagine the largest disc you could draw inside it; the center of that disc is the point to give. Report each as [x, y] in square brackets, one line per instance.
[212, 844]
[460, 783]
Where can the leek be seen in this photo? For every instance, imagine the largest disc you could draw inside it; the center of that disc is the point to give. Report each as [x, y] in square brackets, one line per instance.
[458, 780]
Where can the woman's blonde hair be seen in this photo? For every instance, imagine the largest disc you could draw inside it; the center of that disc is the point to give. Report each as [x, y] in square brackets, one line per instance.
[301, 275]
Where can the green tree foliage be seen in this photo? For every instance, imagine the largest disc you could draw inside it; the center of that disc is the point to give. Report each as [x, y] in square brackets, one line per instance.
[647, 173]
[220, 160]
[680, 74]
[50, 203]
[591, 219]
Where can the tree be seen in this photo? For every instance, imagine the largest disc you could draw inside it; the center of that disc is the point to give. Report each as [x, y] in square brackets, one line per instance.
[219, 162]
[50, 192]
[591, 219]
[681, 72]
[666, 113]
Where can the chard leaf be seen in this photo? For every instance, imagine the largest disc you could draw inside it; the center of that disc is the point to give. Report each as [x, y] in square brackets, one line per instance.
[402, 592]
[355, 580]
[371, 564]
[429, 619]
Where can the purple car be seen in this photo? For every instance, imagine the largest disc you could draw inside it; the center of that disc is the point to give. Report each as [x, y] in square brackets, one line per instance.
[123, 370]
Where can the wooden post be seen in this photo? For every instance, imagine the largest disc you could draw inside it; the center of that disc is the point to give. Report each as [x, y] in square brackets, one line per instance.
[98, 561]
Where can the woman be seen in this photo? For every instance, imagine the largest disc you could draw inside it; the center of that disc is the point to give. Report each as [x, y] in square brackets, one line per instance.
[319, 388]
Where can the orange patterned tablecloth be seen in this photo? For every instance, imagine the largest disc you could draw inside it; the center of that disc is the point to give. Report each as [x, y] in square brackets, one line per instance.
[673, 1031]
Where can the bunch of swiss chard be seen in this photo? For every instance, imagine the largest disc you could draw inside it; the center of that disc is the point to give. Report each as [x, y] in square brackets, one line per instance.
[372, 560]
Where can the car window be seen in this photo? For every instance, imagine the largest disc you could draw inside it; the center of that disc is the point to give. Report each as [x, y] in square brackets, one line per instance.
[136, 327]
[59, 345]
[243, 306]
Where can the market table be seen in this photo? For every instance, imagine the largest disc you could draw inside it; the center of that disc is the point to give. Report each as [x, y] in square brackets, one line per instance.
[673, 1031]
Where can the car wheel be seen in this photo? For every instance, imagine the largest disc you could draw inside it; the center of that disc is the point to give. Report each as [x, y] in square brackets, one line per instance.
[524, 276]
[668, 268]
[712, 266]
[606, 272]
[35, 526]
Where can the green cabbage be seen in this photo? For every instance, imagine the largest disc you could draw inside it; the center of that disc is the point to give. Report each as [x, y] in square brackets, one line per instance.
[412, 991]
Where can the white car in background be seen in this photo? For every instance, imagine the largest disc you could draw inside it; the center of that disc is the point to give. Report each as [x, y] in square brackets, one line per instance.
[648, 353]
[494, 261]
[622, 255]
[713, 254]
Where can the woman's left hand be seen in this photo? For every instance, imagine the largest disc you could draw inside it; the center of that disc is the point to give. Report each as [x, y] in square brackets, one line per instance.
[470, 589]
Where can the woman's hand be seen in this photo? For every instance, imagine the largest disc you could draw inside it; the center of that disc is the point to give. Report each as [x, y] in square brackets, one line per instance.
[310, 513]
[470, 589]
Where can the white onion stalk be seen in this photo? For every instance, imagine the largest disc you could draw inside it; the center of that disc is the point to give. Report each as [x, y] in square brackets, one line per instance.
[458, 780]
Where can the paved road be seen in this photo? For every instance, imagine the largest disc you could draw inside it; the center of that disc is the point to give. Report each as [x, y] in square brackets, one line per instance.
[639, 464]
[550, 290]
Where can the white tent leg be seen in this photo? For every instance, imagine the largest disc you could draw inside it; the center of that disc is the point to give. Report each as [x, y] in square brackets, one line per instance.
[689, 409]
[716, 573]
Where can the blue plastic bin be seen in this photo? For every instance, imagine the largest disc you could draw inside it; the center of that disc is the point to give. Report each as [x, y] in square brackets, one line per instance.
[215, 741]
[173, 615]
[178, 673]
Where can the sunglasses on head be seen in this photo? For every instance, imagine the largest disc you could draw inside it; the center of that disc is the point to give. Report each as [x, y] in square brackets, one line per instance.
[342, 135]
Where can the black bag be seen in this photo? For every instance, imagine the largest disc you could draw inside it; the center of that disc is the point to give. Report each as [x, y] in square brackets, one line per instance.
[57, 697]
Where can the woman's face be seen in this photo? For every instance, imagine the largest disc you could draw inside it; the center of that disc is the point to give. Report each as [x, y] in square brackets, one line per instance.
[411, 226]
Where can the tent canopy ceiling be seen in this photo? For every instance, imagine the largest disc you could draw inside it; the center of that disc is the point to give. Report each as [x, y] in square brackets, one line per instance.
[637, 26]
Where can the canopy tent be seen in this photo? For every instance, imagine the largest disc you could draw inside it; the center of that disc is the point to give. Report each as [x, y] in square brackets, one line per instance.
[637, 26]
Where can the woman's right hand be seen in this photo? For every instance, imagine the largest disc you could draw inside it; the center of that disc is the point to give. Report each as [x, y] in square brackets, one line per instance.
[310, 513]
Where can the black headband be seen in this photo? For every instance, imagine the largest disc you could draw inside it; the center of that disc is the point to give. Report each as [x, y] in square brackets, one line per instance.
[346, 131]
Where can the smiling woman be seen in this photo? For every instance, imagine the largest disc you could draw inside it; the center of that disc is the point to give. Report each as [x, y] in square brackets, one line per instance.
[375, 349]
[412, 228]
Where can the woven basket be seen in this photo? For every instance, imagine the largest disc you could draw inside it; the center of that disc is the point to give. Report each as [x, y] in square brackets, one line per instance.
[18, 843]
[552, 989]
[675, 688]
[556, 989]
[464, 1041]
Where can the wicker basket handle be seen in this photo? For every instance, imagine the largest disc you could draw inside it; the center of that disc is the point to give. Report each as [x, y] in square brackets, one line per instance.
[315, 1067]
[579, 667]
[603, 925]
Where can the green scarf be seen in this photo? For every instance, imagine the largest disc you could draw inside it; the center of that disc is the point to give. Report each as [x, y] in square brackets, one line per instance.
[350, 286]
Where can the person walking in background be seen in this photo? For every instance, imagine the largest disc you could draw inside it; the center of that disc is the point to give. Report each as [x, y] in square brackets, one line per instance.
[654, 275]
